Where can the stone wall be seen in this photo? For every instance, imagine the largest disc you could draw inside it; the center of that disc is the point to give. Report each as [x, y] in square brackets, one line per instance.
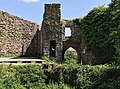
[52, 31]
[17, 36]
[76, 41]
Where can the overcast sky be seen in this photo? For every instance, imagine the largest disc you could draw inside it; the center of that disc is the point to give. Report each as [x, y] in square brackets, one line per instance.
[32, 10]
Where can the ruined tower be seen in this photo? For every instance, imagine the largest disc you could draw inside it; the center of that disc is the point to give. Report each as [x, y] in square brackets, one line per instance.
[52, 35]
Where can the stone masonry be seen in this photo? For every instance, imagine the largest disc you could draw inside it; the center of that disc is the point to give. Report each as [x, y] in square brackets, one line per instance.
[52, 32]
[16, 36]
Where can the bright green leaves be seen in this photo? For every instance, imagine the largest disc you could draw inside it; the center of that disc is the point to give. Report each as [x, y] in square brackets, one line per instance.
[100, 29]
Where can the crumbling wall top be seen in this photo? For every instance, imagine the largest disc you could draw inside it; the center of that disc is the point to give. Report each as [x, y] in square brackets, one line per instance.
[56, 5]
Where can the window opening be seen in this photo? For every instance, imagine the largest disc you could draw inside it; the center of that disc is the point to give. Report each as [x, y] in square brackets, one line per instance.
[67, 31]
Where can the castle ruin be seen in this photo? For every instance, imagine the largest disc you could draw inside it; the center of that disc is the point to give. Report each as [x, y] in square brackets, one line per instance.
[18, 36]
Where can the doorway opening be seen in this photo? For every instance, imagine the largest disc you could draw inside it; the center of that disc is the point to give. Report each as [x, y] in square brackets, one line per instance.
[70, 55]
[52, 48]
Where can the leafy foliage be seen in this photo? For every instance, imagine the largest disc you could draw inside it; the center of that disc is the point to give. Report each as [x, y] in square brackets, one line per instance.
[88, 77]
[101, 31]
[70, 57]
[22, 77]
[64, 76]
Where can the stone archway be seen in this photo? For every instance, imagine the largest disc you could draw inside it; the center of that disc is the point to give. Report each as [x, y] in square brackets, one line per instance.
[74, 40]
[67, 44]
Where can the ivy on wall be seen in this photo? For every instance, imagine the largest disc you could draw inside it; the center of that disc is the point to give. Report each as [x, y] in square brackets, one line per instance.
[101, 31]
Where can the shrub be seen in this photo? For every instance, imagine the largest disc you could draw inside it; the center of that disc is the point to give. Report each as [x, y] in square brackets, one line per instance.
[87, 77]
[100, 29]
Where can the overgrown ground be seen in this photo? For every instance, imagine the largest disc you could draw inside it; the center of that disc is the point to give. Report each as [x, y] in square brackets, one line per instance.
[61, 76]
[68, 75]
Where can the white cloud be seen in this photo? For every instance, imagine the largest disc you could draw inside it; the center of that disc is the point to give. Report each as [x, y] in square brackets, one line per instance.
[30, 1]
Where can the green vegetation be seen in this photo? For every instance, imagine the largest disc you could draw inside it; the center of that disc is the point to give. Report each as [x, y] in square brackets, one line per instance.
[101, 32]
[70, 56]
[63, 76]
[21, 77]
[88, 77]
[10, 55]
